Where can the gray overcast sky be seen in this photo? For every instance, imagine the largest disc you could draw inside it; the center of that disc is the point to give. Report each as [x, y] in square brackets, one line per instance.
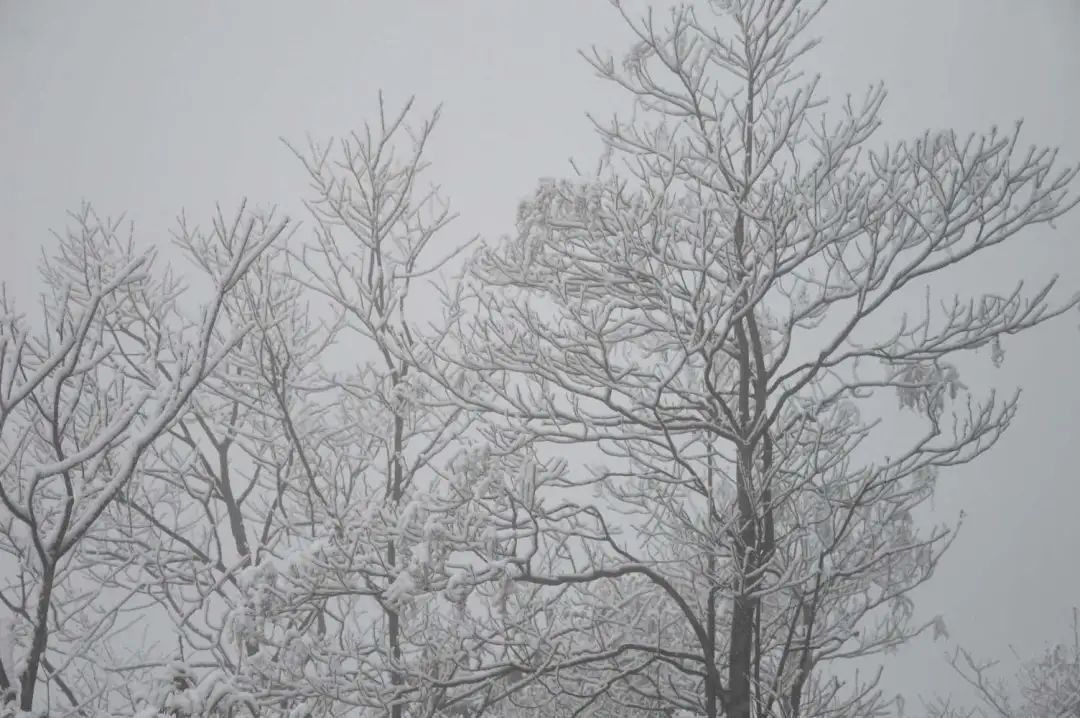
[150, 108]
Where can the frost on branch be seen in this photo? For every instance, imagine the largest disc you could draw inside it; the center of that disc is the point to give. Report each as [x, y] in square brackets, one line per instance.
[1045, 686]
[631, 465]
[710, 315]
[83, 400]
[926, 388]
[315, 535]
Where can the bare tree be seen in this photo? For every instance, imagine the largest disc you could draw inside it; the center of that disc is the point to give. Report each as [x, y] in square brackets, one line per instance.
[304, 538]
[713, 314]
[217, 495]
[83, 400]
[416, 555]
[710, 320]
[323, 532]
[1048, 686]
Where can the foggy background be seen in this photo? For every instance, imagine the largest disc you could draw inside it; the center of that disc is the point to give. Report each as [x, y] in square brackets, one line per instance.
[150, 108]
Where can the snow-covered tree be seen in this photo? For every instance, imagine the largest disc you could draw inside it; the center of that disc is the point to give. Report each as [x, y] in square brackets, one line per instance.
[85, 397]
[636, 463]
[323, 529]
[1048, 686]
[713, 316]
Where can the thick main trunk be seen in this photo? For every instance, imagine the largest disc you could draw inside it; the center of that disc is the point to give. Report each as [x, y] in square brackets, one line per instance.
[393, 627]
[712, 677]
[740, 658]
[743, 609]
[393, 630]
[40, 639]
